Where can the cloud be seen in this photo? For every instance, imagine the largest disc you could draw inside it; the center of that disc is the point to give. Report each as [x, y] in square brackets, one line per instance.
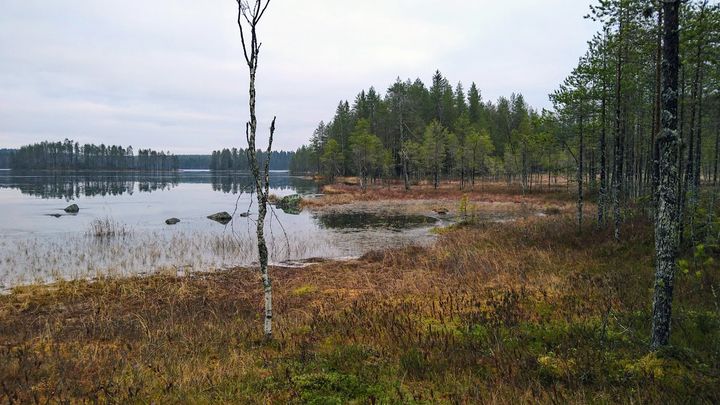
[169, 74]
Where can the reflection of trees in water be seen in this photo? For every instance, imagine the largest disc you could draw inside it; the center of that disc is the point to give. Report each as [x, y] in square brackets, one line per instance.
[229, 182]
[74, 185]
[365, 220]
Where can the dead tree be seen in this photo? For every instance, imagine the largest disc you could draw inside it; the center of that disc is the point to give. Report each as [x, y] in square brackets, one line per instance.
[248, 18]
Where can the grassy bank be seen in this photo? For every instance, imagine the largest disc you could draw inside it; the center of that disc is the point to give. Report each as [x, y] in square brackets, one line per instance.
[498, 313]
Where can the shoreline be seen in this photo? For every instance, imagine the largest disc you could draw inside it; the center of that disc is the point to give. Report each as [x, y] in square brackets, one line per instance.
[528, 310]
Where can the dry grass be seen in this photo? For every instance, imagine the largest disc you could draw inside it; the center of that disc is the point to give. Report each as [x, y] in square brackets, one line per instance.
[529, 311]
[345, 192]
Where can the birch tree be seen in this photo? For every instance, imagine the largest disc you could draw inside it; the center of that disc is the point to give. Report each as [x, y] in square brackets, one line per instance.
[249, 16]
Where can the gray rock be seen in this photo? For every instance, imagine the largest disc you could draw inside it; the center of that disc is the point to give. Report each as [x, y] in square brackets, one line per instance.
[172, 221]
[222, 217]
[291, 204]
[72, 209]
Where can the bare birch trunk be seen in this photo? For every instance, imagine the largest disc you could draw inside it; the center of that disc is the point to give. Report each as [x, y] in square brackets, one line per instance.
[251, 16]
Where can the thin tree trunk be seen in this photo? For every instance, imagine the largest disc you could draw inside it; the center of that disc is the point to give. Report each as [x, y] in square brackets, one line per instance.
[717, 150]
[602, 198]
[403, 151]
[657, 106]
[698, 139]
[666, 220]
[252, 15]
[580, 175]
[617, 178]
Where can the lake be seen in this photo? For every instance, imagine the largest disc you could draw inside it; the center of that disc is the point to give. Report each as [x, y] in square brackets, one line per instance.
[41, 243]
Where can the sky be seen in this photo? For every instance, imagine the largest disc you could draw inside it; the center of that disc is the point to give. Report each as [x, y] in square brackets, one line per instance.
[170, 75]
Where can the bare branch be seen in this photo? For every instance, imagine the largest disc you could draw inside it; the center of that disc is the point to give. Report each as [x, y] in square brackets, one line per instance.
[242, 33]
[263, 10]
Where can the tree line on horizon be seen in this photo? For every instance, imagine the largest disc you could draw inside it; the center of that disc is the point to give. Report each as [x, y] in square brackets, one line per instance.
[69, 155]
[236, 159]
[5, 156]
[59, 156]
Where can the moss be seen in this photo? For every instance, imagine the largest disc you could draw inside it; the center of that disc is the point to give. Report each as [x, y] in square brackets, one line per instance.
[304, 290]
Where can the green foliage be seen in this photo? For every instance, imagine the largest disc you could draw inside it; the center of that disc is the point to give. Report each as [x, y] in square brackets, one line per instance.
[400, 120]
[367, 151]
[332, 159]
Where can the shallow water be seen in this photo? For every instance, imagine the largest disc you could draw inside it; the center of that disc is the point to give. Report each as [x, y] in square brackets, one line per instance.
[39, 242]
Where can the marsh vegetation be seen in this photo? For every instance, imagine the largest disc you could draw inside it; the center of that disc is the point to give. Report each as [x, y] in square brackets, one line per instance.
[529, 310]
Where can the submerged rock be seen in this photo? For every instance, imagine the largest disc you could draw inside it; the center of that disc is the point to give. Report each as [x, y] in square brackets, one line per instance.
[72, 209]
[291, 204]
[172, 221]
[222, 217]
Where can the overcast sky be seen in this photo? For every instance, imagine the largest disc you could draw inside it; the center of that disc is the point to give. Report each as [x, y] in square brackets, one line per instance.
[168, 74]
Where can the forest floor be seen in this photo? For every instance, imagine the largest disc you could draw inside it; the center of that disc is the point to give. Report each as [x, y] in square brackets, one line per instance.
[530, 310]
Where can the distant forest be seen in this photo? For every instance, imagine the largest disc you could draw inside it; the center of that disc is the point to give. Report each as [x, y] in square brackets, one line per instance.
[69, 155]
[194, 162]
[5, 156]
[236, 159]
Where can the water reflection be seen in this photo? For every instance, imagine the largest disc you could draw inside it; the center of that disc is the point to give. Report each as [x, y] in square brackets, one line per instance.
[233, 182]
[73, 185]
[358, 221]
[39, 242]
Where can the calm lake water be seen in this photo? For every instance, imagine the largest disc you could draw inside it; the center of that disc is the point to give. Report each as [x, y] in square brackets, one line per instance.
[37, 245]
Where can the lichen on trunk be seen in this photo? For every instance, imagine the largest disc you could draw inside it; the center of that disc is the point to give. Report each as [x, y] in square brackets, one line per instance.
[666, 219]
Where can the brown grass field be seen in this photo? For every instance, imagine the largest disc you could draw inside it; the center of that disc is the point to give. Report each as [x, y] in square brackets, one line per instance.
[517, 312]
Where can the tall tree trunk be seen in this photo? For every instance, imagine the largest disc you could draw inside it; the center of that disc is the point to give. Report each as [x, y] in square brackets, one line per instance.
[581, 152]
[524, 174]
[617, 177]
[657, 107]
[666, 220]
[252, 15]
[682, 107]
[698, 138]
[692, 170]
[717, 148]
[602, 198]
[403, 151]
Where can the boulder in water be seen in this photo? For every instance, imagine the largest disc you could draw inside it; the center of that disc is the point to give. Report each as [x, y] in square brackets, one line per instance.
[72, 209]
[172, 221]
[291, 204]
[222, 217]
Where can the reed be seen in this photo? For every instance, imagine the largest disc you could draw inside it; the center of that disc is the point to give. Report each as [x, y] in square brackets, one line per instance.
[107, 228]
